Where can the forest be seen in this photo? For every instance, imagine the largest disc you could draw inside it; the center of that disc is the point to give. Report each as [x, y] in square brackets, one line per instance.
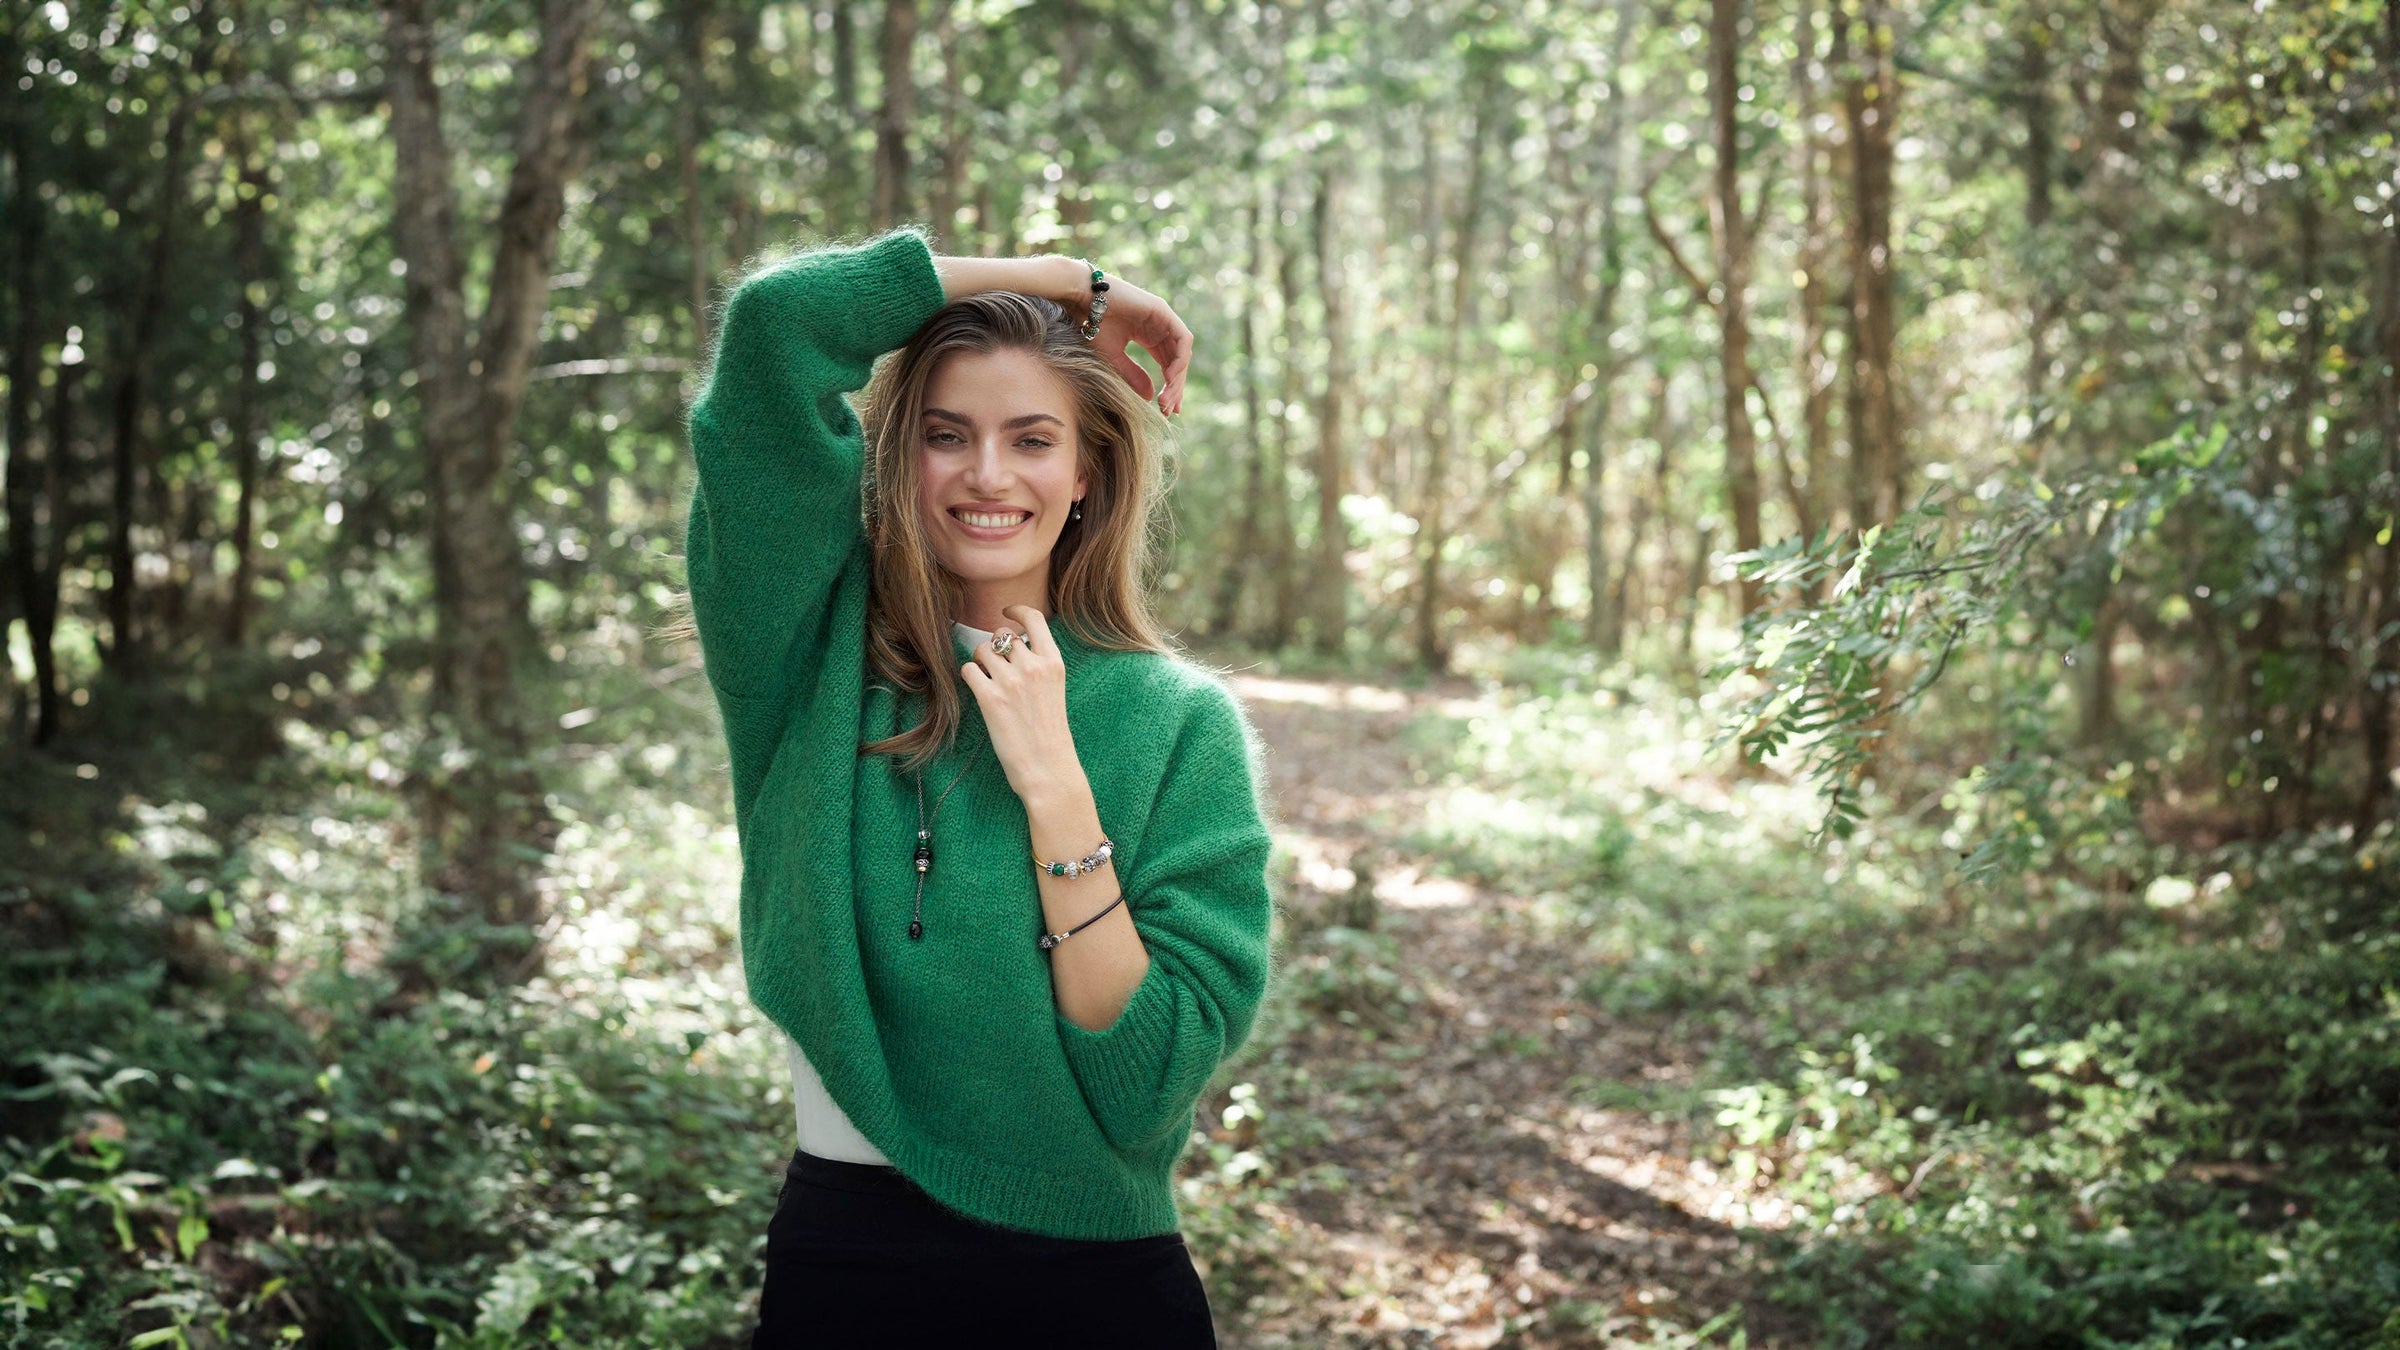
[1817, 579]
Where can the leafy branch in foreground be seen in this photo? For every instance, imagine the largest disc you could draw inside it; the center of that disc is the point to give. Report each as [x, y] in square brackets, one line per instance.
[2009, 564]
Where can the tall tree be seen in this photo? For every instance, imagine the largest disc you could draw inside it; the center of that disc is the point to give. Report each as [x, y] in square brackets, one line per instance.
[1603, 625]
[137, 353]
[1862, 46]
[1331, 587]
[1449, 436]
[249, 217]
[898, 108]
[1731, 233]
[489, 816]
[31, 480]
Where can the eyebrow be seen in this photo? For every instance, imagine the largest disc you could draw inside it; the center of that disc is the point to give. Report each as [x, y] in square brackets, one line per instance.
[1011, 424]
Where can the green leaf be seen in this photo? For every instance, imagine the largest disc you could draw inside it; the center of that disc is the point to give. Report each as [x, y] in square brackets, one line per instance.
[158, 1337]
[190, 1233]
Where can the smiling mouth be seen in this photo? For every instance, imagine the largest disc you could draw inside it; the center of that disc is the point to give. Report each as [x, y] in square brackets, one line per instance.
[992, 521]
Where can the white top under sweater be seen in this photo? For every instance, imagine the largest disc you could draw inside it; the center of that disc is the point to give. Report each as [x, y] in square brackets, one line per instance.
[824, 1130]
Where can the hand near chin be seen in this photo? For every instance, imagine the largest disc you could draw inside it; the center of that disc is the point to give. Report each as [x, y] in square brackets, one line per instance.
[1023, 697]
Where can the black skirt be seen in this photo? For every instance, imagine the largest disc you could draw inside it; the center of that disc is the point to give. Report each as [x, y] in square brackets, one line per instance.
[857, 1255]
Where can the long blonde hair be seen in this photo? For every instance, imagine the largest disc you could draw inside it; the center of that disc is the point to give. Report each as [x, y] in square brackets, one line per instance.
[1101, 563]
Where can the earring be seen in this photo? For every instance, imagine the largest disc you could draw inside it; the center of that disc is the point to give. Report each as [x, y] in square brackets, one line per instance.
[1076, 512]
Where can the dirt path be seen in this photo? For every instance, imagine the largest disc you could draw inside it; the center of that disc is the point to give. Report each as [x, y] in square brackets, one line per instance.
[1485, 1205]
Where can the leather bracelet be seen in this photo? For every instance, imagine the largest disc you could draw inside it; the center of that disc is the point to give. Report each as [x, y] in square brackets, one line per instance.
[1050, 940]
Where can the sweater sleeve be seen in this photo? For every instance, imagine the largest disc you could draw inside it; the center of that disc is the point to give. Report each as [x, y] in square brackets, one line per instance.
[775, 513]
[1201, 902]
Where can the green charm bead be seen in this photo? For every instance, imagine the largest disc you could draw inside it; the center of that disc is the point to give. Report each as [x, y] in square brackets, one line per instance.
[1078, 866]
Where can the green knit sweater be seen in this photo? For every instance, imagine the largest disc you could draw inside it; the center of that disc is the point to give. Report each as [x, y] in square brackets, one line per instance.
[948, 1052]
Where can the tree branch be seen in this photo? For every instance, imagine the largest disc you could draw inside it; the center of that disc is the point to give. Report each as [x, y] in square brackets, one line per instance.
[1666, 242]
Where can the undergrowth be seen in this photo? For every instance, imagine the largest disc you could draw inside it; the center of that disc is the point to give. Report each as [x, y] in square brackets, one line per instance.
[2037, 1113]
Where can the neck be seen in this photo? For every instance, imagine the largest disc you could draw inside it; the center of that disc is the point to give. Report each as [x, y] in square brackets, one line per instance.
[984, 602]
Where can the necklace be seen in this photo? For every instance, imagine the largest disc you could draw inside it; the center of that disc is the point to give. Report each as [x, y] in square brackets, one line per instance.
[924, 854]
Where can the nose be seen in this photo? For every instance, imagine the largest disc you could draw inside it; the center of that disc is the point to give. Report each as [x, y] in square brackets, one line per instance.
[988, 469]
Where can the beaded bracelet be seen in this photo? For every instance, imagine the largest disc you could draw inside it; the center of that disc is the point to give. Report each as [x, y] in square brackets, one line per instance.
[1050, 940]
[1090, 862]
[1091, 322]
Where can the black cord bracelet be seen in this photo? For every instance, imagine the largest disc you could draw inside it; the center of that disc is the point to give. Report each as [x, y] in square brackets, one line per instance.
[1050, 940]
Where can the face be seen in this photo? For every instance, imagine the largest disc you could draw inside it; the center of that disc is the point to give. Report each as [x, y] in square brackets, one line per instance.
[997, 453]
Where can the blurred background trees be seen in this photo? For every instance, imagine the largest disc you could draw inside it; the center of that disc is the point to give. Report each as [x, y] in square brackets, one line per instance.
[1518, 326]
[1999, 397]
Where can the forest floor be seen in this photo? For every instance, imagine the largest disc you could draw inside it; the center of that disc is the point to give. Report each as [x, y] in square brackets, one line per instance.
[1465, 1189]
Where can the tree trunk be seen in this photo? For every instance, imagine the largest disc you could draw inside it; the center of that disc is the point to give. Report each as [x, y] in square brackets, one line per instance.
[2379, 687]
[32, 483]
[249, 224]
[1331, 587]
[1817, 373]
[59, 475]
[1730, 229]
[1870, 105]
[1695, 583]
[1235, 574]
[841, 150]
[1449, 439]
[950, 185]
[487, 824]
[1603, 628]
[1645, 508]
[689, 133]
[1288, 561]
[135, 357]
[898, 109]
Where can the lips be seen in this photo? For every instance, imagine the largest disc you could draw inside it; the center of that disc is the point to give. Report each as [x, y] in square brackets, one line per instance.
[989, 524]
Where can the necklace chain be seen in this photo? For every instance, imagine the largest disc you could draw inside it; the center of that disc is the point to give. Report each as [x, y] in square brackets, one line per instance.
[924, 853]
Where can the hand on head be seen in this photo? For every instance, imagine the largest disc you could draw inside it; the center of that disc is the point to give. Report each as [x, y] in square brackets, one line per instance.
[1135, 317]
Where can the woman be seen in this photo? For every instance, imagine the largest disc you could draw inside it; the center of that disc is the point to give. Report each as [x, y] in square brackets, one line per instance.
[1010, 935]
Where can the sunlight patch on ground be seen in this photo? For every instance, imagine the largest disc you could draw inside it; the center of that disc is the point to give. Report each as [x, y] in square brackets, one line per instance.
[1595, 1139]
[1321, 861]
[1413, 888]
[1319, 694]
[1352, 697]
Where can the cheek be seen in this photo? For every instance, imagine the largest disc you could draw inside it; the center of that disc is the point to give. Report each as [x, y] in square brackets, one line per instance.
[931, 481]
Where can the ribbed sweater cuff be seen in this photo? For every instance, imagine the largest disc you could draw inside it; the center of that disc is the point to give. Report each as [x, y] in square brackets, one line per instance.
[1122, 1066]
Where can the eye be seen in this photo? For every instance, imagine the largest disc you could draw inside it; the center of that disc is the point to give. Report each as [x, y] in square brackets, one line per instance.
[942, 436]
[1035, 443]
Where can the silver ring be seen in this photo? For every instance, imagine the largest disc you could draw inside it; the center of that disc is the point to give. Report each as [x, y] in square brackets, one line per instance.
[1004, 642]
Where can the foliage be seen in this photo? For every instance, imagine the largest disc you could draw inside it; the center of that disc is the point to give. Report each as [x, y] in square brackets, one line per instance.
[2024, 1112]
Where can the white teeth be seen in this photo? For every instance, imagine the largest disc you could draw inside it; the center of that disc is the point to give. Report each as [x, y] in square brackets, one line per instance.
[989, 522]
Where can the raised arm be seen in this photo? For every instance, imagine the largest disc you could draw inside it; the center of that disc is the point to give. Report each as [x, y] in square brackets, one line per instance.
[775, 513]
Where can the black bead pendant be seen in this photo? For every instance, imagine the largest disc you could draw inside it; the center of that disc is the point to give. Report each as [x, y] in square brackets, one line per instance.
[916, 928]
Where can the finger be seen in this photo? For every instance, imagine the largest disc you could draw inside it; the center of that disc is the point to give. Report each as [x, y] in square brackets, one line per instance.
[1176, 362]
[1133, 373]
[1037, 628]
